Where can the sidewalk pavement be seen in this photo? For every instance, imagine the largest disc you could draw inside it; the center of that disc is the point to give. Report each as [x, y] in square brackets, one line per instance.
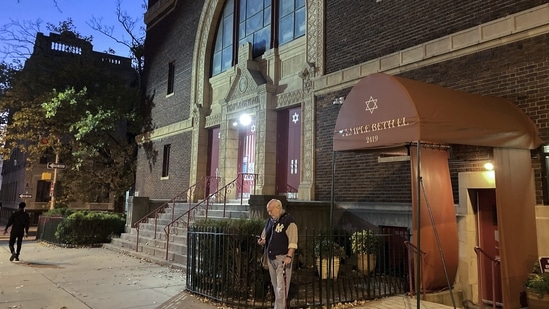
[51, 277]
[48, 276]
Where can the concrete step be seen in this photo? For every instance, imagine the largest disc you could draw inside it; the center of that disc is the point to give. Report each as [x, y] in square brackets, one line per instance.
[230, 214]
[173, 261]
[153, 247]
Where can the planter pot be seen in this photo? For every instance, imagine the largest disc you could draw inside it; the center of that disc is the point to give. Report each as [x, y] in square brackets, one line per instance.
[322, 267]
[534, 302]
[366, 263]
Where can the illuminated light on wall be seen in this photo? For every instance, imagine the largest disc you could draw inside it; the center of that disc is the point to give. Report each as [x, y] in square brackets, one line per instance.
[245, 120]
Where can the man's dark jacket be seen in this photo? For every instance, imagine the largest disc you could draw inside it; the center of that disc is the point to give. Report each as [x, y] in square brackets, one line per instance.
[20, 221]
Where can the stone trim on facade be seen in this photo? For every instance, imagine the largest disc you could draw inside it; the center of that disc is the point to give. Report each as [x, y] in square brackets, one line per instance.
[499, 32]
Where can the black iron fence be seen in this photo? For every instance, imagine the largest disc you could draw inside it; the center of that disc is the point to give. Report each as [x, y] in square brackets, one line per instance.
[227, 268]
[47, 227]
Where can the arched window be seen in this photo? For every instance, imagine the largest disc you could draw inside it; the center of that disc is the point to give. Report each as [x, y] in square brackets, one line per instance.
[251, 21]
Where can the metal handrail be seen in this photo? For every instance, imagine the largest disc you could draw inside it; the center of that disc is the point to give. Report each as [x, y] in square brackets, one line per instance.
[238, 182]
[189, 192]
[493, 262]
[291, 190]
[412, 251]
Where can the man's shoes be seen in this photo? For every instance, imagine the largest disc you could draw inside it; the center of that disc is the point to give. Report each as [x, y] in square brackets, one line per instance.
[13, 256]
[17, 259]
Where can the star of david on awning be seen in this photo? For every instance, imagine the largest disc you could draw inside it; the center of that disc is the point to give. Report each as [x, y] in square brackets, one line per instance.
[384, 111]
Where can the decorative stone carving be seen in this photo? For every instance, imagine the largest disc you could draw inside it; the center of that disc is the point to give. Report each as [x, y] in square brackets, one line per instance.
[212, 120]
[315, 34]
[287, 99]
[243, 84]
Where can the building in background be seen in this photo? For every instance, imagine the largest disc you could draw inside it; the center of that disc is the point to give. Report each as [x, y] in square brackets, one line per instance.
[288, 67]
[32, 183]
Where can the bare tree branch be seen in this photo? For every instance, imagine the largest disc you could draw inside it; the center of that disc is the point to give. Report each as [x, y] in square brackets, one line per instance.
[18, 39]
[132, 26]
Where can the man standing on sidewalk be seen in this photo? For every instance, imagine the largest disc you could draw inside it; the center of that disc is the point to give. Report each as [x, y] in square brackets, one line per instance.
[19, 222]
[280, 240]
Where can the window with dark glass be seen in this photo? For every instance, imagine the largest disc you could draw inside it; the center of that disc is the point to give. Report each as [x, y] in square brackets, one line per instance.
[223, 49]
[171, 77]
[43, 191]
[255, 25]
[166, 161]
[250, 21]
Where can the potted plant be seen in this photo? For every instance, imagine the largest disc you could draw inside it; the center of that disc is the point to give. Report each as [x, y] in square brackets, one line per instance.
[537, 288]
[365, 244]
[328, 252]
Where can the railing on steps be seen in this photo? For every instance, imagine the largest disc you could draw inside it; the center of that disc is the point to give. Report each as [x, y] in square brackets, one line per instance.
[494, 263]
[181, 197]
[291, 192]
[239, 184]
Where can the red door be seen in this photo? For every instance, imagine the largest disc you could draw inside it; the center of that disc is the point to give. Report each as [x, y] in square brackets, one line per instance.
[294, 151]
[246, 160]
[212, 180]
[488, 241]
[288, 152]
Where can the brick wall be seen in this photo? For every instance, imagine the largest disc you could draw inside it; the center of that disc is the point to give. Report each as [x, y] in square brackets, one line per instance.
[517, 71]
[357, 31]
[149, 172]
[172, 40]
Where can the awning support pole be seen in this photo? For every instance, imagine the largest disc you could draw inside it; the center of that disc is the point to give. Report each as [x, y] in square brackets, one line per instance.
[437, 237]
[332, 202]
[418, 224]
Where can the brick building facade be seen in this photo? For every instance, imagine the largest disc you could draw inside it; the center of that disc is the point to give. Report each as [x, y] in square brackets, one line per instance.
[492, 48]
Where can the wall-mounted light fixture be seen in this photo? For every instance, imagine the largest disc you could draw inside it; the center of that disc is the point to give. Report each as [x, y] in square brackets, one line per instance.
[489, 166]
[338, 101]
[244, 120]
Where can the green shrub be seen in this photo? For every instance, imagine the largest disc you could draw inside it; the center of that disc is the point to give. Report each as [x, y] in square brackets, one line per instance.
[364, 242]
[245, 227]
[89, 228]
[225, 251]
[58, 212]
[538, 282]
[322, 249]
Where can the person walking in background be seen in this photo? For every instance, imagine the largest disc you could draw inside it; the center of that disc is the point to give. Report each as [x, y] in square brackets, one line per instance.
[19, 222]
[280, 240]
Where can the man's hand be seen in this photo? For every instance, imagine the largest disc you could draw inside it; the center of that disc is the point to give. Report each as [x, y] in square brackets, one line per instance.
[26, 235]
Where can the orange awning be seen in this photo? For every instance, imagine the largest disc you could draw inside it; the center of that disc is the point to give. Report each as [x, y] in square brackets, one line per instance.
[385, 111]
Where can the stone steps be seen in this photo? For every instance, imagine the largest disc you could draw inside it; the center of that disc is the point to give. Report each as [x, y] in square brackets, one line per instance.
[153, 247]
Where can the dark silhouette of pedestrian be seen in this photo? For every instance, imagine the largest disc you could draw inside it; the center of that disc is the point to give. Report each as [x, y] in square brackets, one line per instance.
[19, 222]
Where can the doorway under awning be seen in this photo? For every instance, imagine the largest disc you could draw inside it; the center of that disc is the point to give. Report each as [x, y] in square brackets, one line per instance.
[383, 111]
